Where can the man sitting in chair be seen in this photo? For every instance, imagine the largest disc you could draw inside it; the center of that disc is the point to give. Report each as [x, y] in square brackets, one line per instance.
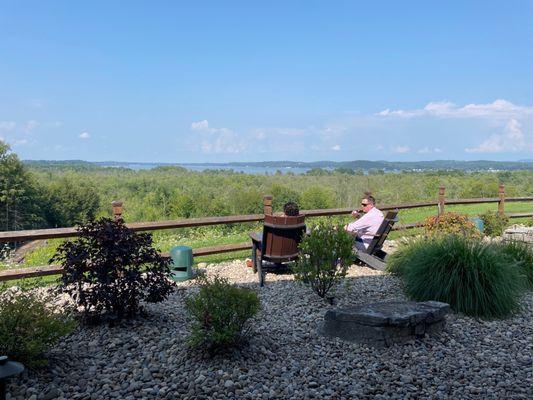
[291, 209]
[367, 224]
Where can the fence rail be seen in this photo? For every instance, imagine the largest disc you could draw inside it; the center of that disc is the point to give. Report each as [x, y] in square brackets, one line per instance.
[39, 234]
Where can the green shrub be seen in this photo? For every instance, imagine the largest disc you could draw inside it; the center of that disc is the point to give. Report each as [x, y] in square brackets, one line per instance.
[451, 223]
[476, 278]
[494, 223]
[522, 253]
[220, 312]
[109, 269]
[325, 256]
[30, 324]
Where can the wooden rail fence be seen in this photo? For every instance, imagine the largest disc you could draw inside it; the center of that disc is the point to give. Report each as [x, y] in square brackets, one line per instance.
[39, 234]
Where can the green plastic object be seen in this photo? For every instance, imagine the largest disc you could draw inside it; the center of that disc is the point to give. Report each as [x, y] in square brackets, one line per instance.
[182, 263]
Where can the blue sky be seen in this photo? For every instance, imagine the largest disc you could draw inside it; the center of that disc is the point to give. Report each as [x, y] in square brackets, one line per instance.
[169, 81]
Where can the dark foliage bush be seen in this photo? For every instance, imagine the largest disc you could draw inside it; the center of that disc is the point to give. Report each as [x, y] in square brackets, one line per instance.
[494, 223]
[522, 253]
[220, 312]
[476, 278]
[30, 324]
[451, 223]
[325, 256]
[110, 269]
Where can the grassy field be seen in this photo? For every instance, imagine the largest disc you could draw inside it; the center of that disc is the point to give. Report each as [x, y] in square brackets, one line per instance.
[212, 236]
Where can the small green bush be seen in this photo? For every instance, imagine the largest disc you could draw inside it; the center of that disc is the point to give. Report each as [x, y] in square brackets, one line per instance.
[220, 312]
[476, 278]
[450, 223]
[30, 324]
[522, 253]
[494, 223]
[325, 256]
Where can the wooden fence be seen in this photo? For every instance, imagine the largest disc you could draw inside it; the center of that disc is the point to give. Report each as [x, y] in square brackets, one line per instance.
[39, 234]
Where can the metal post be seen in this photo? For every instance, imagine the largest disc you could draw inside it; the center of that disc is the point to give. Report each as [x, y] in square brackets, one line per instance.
[267, 204]
[501, 202]
[442, 191]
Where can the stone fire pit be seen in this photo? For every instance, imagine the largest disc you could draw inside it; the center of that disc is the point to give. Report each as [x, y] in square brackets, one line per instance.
[386, 323]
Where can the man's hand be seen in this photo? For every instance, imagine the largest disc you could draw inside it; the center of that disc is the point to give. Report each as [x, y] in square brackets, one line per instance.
[356, 214]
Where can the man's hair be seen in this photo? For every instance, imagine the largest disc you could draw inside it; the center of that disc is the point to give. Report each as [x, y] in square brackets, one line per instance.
[370, 199]
[291, 209]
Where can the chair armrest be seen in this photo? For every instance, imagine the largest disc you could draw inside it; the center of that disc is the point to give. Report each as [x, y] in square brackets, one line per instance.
[256, 236]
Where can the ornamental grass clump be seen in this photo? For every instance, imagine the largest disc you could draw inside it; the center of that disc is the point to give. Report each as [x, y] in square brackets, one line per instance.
[109, 270]
[220, 314]
[476, 278]
[450, 223]
[522, 253]
[30, 324]
[325, 256]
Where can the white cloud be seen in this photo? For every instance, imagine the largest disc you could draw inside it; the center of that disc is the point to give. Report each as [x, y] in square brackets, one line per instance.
[84, 135]
[401, 149]
[336, 147]
[7, 126]
[380, 147]
[512, 139]
[20, 142]
[29, 126]
[218, 140]
[497, 109]
[200, 125]
[428, 150]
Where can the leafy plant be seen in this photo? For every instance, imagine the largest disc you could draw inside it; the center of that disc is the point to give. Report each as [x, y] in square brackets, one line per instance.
[522, 253]
[30, 324]
[494, 223]
[451, 223]
[325, 256]
[220, 312]
[475, 277]
[110, 269]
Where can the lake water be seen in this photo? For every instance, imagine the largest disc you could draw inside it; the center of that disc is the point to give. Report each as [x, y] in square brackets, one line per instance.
[203, 167]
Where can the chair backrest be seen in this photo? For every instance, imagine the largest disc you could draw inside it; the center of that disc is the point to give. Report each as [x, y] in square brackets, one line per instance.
[281, 237]
[383, 230]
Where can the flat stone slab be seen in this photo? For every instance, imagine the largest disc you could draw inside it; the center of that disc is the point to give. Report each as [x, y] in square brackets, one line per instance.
[520, 233]
[385, 323]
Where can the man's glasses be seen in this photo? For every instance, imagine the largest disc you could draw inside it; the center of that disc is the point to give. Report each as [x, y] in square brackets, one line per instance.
[365, 204]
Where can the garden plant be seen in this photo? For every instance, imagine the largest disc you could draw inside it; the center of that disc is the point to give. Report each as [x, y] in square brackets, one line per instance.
[325, 256]
[220, 313]
[450, 223]
[31, 322]
[475, 277]
[109, 269]
[522, 253]
[494, 223]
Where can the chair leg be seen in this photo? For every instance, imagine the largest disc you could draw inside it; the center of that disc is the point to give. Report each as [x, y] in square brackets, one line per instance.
[254, 256]
[261, 273]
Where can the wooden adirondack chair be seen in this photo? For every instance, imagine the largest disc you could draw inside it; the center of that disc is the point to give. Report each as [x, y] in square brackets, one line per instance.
[277, 244]
[374, 256]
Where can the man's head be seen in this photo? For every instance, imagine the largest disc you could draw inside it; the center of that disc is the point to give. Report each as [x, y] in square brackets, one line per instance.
[368, 203]
[291, 209]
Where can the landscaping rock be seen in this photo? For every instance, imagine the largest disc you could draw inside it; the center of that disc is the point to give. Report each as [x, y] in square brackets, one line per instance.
[385, 323]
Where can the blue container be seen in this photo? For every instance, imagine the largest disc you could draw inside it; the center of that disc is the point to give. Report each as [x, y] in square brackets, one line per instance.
[478, 222]
[182, 261]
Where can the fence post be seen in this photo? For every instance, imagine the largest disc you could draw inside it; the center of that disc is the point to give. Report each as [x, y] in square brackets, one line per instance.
[267, 204]
[501, 202]
[442, 190]
[117, 209]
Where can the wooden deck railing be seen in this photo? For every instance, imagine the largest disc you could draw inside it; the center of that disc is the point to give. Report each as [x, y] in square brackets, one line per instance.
[39, 234]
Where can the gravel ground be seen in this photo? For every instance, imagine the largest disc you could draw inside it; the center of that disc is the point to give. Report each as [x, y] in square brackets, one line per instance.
[286, 358]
